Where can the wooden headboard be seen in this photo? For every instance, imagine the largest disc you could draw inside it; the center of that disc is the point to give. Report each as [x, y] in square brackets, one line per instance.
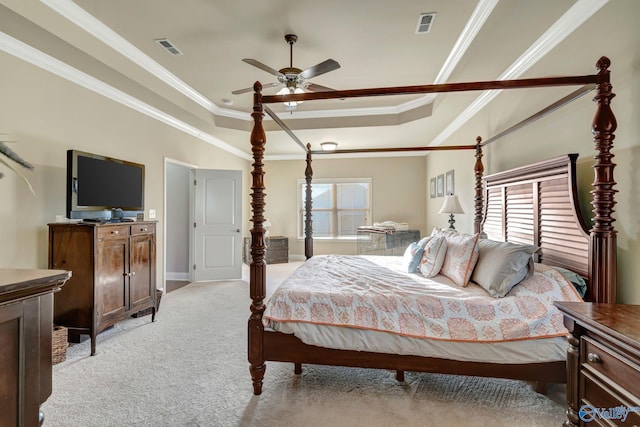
[537, 204]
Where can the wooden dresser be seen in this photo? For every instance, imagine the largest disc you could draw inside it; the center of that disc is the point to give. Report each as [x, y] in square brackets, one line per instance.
[603, 363]
[114, 274]
[26, 327]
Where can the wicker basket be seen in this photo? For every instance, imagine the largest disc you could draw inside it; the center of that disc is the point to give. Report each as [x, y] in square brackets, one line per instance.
[149, 310]
[59, 344]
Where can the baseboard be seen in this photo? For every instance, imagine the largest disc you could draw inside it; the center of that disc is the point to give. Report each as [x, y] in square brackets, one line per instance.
[178, 276]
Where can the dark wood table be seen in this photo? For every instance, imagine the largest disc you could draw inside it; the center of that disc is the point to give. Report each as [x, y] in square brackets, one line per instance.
[26, 328]
[603, 363]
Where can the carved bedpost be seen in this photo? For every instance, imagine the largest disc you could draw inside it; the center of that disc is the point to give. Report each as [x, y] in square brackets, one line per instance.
[308, 220]
[257, 268]
[478, 171]
[603, 242]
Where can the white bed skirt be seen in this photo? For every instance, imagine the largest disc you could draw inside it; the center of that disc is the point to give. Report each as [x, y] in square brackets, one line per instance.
[507, 352]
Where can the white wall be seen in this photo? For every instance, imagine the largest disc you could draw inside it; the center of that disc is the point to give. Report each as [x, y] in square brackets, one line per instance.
[49, 115]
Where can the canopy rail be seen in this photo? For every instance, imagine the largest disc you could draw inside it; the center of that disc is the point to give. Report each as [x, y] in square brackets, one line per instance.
[542, 113]
[396, 149]
[437, 88]
[284, 127]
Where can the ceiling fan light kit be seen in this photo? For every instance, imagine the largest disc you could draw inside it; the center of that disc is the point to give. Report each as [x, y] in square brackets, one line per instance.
[294, 79]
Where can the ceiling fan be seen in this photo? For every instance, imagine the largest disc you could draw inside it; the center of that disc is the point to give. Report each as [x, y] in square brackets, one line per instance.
[293, 79]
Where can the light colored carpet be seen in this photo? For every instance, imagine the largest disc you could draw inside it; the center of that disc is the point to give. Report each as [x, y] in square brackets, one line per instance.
[190, 368]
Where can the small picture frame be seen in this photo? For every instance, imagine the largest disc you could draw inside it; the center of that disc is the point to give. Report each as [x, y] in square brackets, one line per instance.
[448, 183]
[432, 186]
[440, 185]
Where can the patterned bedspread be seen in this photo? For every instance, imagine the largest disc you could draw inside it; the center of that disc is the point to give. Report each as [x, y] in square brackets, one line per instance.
[372, 293]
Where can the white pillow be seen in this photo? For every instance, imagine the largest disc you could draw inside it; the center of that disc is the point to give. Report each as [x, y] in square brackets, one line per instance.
[501, 266]
[433, 256]
[462, 255]
[412, 257]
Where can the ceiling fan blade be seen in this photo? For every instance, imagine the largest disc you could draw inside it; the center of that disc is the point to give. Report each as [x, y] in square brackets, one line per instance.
[250, 89]
[321, 68]
[239, 91]
[263, 67]
[318, 88]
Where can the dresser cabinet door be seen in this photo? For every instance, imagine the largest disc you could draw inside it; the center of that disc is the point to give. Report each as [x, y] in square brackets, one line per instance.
[142, 274]
[112, 274]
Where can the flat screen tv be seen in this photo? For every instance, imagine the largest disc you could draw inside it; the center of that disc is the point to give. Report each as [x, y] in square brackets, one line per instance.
[99, 185]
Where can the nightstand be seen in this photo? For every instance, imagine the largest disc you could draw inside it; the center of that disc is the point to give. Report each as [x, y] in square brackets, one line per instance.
[603, 363]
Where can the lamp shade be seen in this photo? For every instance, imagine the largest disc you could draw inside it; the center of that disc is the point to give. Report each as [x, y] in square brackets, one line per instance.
[451, 205]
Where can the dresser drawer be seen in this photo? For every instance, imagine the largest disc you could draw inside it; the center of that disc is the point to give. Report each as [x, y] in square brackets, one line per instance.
[608, 363]
[599, 395]
[113, 231]
[143, 229]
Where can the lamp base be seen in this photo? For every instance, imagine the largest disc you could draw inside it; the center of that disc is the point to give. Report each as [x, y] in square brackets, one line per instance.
[451, 222]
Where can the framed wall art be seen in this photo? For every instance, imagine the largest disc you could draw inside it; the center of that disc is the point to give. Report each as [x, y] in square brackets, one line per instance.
[448, 183]
[440, 185]
[432, 186]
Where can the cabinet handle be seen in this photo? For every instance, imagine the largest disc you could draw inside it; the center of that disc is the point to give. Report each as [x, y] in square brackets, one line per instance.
[143, 229]
[133, 273]
[114, 231]
[593, 358]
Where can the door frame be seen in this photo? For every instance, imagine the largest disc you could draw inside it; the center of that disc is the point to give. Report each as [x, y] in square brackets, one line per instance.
[190, 231]
[191, 167]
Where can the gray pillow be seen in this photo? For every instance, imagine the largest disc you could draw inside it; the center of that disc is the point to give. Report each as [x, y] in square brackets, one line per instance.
[501, 266]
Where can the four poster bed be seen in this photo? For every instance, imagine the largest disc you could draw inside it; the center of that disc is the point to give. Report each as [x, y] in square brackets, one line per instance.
[534, 205]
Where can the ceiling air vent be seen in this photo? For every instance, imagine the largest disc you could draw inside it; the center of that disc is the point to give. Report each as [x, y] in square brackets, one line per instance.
[425, 21]
[169, 46]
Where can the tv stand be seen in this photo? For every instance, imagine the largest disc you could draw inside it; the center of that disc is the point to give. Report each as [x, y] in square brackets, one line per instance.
[114, 274]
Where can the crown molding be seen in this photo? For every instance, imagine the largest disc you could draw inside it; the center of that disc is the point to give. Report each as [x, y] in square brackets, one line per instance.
[48, 63]
[93, 26]
[563, 27]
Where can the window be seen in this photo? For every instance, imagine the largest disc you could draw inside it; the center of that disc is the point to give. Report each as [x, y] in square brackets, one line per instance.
[339, 207]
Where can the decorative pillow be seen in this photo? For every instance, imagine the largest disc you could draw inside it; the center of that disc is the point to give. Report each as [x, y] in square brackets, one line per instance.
[423, 242]
[502, 265]
[575, 279]
[412, 257]
[462, 255]
[433, 256]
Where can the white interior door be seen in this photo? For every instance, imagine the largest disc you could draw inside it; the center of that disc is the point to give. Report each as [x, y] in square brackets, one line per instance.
[217, 252]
